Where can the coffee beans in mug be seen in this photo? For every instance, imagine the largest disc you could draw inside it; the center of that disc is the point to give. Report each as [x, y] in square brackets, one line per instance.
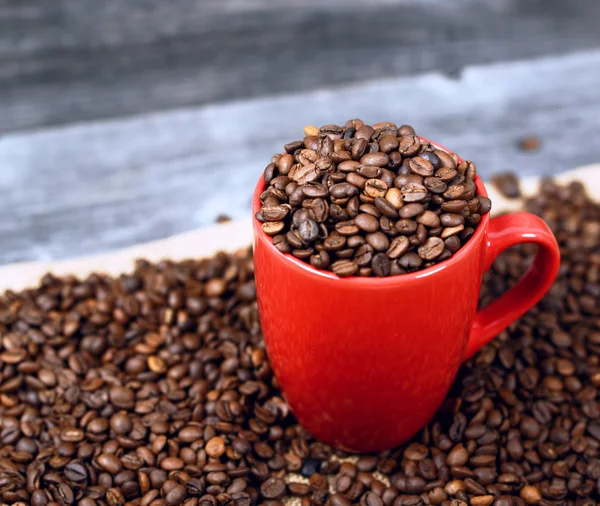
[375, 183]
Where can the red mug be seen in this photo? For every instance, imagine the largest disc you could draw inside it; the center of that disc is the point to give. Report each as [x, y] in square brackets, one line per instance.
[364, 363]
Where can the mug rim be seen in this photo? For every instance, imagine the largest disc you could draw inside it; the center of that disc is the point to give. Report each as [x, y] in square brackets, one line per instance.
[384, 281]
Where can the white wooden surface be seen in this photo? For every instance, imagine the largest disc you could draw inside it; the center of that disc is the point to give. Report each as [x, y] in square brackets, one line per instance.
[99, 186]
[225, 237]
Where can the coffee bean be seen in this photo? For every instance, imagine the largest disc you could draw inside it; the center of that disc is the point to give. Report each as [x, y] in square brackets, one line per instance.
[413, 192]
[381, 265]
[375, 188]
[421, 166]
[410, 261]
[356, 180]
[366, 222]
[273, 228]
[378, 241]
[275, 213]
[431, 249]
[346, 228]
[434, 185]
[303, 253]
[109, 462]
[273, 488]
[405, 226]
[308, 231]
[432, 158]
[411, 210]
[385, 207]
[388, 143]
[485, 205]
[334, 242]
[344, 268]
[404, 179]
[320, 260]
[343, 190]
[311, 131]
[398, 247]
[429, 219]
[394, 197]
[409, 144]
[376, 159]
[359, 146]
[507, 184]
[446, 174]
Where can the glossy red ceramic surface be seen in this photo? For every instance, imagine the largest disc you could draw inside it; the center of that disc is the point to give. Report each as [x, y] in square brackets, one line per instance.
[365, 362]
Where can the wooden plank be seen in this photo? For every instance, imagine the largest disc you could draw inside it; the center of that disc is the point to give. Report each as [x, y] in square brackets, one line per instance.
[76, 60]
[93, 187]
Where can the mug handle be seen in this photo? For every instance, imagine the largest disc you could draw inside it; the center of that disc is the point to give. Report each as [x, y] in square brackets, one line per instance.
[504, 232]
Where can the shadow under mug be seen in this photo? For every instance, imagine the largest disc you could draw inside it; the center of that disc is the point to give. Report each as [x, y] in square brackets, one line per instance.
[364, 363]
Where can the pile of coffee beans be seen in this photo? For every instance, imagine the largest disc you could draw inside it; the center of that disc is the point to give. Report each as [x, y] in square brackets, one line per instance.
[154, 389]
[363, 200]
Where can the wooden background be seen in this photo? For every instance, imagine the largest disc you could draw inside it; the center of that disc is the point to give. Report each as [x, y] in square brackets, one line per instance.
[124, 121]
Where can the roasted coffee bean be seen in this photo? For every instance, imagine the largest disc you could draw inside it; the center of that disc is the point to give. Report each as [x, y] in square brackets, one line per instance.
[410, 261]
[413, 192]
[343, 190]
[334, 242]
[381, 265]
[421, 166]
[275, 213]
[273, 228]
[344, 268]
[378, 241]
[432, 158]
[409, 144]
[367, 222]
[411, 210]
[337, 212]
[346, 227]
[507, 184]
[398, 247]
[356, 180]
[315, 190]
[376, 159]
[350, 166]
[375, 188]
[388, 143]
[451, 220]
[404, 179]
[319, 210]
[364, 255]
[308, 231]
[429, 219]
[320, 260]
[485, 205]
[359, 146]
[452, 243]
[385, 207]
[364, 132]
[406, 227]
[303, 253]
[435, 185]
[369, 171]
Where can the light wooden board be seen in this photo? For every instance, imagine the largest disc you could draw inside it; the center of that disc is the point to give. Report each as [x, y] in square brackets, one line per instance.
[225, 237]
[94, 187]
